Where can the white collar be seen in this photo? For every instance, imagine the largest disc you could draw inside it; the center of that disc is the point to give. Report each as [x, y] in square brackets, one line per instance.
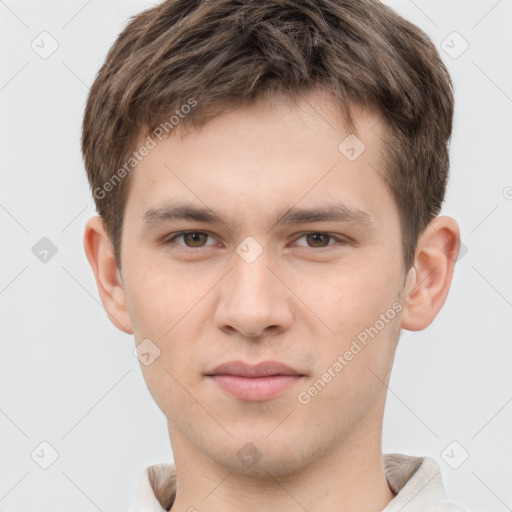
[416, 481]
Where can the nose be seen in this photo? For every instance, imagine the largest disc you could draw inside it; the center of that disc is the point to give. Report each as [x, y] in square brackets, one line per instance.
[253, 299]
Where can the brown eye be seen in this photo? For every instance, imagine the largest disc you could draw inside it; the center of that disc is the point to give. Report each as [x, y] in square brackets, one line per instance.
[195, 239]
[191, 239]
[318, 239]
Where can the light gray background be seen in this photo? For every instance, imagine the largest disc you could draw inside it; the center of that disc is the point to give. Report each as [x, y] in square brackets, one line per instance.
[69, 377]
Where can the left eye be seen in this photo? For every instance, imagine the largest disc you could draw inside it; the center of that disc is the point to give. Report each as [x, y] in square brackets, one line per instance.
[319, 239]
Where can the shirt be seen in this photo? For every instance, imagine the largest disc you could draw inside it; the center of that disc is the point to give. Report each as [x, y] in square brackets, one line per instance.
[416, 481]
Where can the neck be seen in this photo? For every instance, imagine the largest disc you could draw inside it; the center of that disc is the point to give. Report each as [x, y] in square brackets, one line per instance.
[350, 478]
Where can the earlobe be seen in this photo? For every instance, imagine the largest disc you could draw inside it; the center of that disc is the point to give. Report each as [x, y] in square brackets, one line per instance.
[428, 281]
[106, 273]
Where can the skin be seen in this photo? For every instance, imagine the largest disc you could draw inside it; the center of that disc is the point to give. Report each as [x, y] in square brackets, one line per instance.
[302, 302]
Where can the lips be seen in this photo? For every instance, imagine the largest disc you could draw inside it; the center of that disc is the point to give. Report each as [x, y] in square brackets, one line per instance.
[259, 382]
[263, 369]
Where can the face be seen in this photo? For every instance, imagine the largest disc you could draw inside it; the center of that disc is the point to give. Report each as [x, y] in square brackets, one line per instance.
[264, 278]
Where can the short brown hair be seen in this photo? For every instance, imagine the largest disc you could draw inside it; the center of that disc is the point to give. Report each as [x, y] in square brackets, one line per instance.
[234, 52]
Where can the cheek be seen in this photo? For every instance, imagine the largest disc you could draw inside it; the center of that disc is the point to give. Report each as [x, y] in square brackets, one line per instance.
[158, 296]
[350, 297]
[361, 306]
[349, 380]
[170, 378]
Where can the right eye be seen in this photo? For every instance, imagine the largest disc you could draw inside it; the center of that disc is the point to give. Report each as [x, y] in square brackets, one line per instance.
[196, 239]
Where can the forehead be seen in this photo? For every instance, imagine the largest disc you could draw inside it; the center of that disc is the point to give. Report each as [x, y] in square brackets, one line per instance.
[265, 158]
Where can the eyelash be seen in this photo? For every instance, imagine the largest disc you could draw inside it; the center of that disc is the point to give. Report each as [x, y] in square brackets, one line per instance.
[341, 240]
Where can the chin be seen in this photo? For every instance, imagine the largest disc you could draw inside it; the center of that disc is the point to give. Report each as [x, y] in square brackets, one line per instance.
[260, 455]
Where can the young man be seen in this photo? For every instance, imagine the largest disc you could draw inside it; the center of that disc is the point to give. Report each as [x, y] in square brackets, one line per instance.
[268, 177]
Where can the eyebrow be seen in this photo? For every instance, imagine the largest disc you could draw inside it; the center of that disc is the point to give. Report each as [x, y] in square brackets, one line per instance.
[329, 213]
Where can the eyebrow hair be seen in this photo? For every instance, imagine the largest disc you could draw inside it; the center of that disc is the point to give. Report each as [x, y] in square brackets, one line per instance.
[184, 211]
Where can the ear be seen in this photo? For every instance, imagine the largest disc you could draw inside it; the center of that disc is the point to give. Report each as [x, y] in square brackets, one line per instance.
[429, 279]
[108, 278]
